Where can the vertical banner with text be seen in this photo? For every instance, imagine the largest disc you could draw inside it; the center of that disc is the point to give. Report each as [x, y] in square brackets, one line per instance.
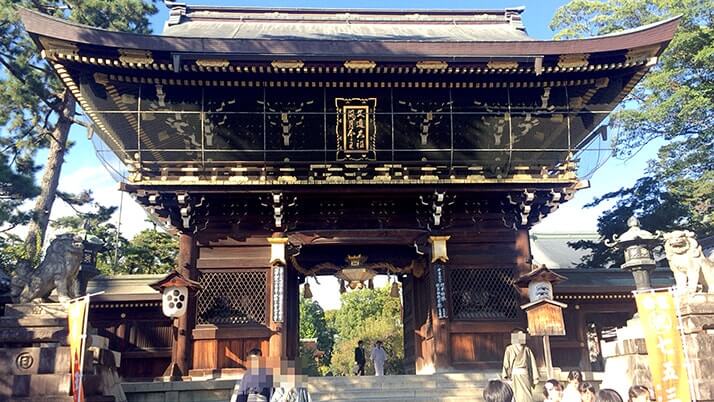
[77, 321]
[665, 351]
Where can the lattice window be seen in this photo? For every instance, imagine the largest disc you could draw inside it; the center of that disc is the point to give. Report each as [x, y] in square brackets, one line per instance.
[483, 294]
[232, 298]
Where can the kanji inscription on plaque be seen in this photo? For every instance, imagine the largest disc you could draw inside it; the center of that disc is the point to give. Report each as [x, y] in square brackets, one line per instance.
[355, 128]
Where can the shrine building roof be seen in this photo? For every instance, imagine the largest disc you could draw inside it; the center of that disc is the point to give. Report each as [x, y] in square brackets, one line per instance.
[346, 24]
[381, 34]
[263, 97]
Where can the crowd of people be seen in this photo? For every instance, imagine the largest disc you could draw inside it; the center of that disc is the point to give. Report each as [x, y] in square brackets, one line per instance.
[574, 390]
[520, 377]
[280, 383]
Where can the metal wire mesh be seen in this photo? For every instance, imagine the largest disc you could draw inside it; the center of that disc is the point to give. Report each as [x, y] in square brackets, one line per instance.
[232, 298]
[483, 294]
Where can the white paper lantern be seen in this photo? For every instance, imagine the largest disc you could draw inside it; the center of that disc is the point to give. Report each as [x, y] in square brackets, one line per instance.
[173, 301]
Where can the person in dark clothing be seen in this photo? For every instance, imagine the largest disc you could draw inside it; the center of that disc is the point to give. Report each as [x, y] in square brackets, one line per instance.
[360, 359]
[257, 381]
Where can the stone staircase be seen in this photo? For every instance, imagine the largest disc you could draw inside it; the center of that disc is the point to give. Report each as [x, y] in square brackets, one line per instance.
[447, 387]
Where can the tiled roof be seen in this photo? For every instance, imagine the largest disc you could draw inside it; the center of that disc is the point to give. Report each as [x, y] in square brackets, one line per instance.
[346, 24]
[552, 249]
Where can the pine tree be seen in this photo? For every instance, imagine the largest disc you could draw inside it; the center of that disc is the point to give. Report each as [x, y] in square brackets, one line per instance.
[674, 103]
[36, 112]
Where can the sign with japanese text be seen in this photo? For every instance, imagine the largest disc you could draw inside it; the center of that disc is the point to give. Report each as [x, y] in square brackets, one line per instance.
[77, 323]
[440, 284]
[278, 286]
[355, 128]
[665, 353]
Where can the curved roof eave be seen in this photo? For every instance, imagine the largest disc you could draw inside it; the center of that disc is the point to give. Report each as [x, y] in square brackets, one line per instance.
[43, 25]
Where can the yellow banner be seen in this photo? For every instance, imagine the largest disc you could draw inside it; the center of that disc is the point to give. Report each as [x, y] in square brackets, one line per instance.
[665, 353]
[76, 317]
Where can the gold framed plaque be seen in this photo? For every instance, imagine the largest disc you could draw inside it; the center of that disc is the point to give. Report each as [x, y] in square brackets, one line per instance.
[356, 128]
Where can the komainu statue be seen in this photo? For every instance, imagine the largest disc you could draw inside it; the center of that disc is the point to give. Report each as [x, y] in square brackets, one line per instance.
[690, 266]
[58, 270]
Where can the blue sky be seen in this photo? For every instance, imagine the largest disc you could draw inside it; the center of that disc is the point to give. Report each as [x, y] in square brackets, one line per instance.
[83, 170]
[536, 17]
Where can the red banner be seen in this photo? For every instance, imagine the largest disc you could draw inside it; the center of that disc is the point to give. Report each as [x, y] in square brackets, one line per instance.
[665, 351]
[77, 321]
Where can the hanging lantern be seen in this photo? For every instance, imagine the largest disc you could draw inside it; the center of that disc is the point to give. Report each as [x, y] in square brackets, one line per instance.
[175, 289]
[394, 291]
[306, 292]
[354, 275]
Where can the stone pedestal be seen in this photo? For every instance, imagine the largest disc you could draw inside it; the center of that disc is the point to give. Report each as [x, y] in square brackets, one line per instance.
[35, 358]
[626, 359]
[698, 327]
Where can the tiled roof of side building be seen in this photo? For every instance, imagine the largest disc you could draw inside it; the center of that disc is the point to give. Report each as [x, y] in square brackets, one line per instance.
[553, 250]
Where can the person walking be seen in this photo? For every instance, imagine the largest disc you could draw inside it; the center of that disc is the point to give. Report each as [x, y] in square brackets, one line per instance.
[360, 360]
[378, 356]
[519, 367]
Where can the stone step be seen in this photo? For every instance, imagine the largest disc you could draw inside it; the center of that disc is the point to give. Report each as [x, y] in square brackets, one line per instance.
[99, 398]
[401, 399]
[45, 385]
[448, 387]
[401, 394]
[452, 380]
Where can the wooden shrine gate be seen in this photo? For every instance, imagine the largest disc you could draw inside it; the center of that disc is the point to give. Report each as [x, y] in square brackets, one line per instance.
[382, 132]
[458, 312]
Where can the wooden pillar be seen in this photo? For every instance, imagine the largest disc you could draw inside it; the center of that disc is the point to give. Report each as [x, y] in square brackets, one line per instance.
[181, 350]
[277, 344]
[523, 253]
[278, 308]
[292, 314]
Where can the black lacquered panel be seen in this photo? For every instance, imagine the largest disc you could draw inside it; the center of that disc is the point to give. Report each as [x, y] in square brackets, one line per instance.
[494, 127]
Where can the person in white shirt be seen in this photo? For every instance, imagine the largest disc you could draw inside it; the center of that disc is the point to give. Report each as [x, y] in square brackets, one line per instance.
[378, 356]
[571, 393]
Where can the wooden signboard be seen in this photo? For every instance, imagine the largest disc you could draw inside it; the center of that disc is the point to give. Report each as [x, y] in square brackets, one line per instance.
[545, 317]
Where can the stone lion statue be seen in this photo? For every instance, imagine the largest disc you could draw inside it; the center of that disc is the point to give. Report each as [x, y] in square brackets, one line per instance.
[58, 270]
[690, 266]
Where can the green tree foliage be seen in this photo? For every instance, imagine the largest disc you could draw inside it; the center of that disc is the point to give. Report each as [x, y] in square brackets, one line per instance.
[149, 252]
[35, 110]
[308, 364]
[674, 103]
[16, 185]
[314, 326]
[369, 315]
[95, 222]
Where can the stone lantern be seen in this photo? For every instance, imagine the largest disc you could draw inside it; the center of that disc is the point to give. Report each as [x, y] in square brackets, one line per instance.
[93, 245]
[637, 245]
